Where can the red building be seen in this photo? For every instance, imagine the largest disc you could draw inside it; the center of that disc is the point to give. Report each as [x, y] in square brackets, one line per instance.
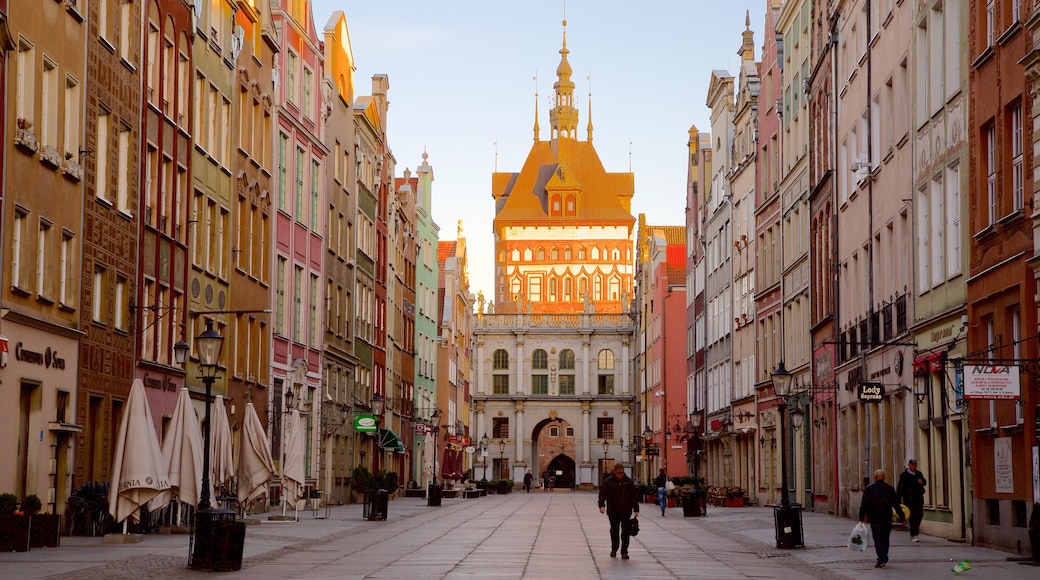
[1002, 309]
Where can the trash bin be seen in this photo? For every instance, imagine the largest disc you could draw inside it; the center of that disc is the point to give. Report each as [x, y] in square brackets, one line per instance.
[433, 494]
[693, 503]
[218, 541]
[378, 502]
[788, 526]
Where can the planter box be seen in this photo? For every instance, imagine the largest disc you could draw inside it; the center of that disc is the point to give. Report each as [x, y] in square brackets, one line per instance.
[14, 533]
[734, 501]
[450, 493]
[672, 501]
[471, 494]
[415, 493]
[45, 531]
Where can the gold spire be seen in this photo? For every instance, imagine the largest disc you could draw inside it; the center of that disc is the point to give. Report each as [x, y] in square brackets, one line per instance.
[537, 129]
[589, 78]
[564, 116]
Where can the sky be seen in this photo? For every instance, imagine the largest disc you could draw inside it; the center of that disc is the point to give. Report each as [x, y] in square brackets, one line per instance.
[462, 88]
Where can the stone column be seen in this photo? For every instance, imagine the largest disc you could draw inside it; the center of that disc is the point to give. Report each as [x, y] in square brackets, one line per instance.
[586, 432]
[519, 390]
[625, 378]
[585, 353]
[481, 377]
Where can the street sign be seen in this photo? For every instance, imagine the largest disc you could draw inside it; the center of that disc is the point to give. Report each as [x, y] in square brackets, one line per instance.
[365, 424]
[871, 392]
[992, 382]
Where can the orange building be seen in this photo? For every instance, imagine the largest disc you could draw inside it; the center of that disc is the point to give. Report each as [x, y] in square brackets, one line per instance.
[563, 224]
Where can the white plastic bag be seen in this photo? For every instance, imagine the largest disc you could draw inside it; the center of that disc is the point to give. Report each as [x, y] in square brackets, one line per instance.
[859, 538]
[669, 486]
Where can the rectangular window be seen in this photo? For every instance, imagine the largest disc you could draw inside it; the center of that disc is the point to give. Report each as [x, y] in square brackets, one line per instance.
[72, 120]
[937, 227]
[283, 144]
[97, 301]
[67, 286]
[315, 205]
[990, 137]
[605, 428]
[1017, 171]
[290, 78]
[500, 384]
[991, 22]
[123, 177]
[313, 322]
[539, 384]
[298, 190]
[125, 32]
[566, 384]
[122, 306]
[297, 298]
[606, 384]
[49, 101]
[152, 62]
[306, 106]
[279, 306]
[43, 240]
[953, 221]
[500, 427]
[101, 155]
[25, 65]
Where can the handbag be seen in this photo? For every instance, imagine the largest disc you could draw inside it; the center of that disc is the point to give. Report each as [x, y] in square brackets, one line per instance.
[858, 539]
[633, 526]
[669, 486]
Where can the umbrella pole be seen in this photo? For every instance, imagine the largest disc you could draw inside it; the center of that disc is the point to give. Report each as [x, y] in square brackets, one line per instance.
[124, 526]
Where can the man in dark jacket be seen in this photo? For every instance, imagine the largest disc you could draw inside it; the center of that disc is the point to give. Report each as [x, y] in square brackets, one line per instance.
[619, 499]
[878, 500]
[911, 492]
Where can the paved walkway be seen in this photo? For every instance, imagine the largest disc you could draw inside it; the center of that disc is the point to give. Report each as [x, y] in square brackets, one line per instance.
[558, 535]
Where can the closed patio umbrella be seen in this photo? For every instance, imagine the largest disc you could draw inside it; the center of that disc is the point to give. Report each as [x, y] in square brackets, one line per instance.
[255, 464]
[138, 471]
[182, 455]
[292, 464]
[221, 461]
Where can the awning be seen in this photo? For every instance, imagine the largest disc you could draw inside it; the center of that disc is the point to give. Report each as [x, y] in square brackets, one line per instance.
[389, 440]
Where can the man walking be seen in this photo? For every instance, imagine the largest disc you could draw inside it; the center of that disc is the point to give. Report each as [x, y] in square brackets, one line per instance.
[911, 492]
[528, 480]
[878, 500]
[619, 499]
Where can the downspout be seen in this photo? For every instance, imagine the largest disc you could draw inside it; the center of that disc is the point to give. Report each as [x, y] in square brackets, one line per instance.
[870, 234]
[834, 269]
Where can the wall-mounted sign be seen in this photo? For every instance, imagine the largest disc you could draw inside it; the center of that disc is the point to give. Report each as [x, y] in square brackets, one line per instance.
[992, 382]
[365, 424]
[870, 392]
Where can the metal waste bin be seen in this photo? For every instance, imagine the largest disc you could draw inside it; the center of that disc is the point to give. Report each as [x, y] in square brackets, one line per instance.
[378, 502]
[217, 542]
[693, 503]
[788, 526]
[433, 494]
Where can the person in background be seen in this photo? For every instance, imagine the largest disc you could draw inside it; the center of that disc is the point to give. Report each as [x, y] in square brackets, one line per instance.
[911, 492]
[879, 499]
[660, 482]
[528, 480]
[619, 499]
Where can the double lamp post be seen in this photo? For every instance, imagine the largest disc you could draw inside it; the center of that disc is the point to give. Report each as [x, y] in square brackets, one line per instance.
[788, 518]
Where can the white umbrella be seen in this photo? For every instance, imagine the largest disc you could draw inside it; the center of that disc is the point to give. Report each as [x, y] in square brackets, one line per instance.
[255, 465]
[138, 472]
[182, 455]
[292, 463]
[221, 463]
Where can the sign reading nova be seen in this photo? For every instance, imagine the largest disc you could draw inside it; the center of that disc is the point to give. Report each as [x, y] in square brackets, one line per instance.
[991, 382]
[365, 424]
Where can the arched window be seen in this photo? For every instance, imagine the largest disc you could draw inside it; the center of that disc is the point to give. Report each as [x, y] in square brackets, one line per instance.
[554, 255]
[528, 255]
[515, 255]
[566, 376]
[567, 360]
[567, 255]
[539, 360]
[541, 255]
[553, 288]
[595, 253]
[615, 254]
[581, 253]
[605, 360]
[539, 372]
[567, 289]
[605, 378]
[583, 287]
[500, 360]
[597, 291]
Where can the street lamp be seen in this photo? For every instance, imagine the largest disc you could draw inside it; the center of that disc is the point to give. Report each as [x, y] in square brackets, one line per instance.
[501, 460]
[483, 453]
[788, 521]
[208, 344]
[648, 437]
[695, 439]
[378, 404]
[433, 493]
[606, 448]
[797, 417]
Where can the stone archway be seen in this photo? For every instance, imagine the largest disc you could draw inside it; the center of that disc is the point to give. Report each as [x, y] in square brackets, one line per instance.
[553, 448]
[561, 470]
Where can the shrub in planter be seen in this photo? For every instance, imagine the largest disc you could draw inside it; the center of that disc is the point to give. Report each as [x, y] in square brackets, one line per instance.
[8, 503]
[14, 525]
[391, 481]
[31, 505]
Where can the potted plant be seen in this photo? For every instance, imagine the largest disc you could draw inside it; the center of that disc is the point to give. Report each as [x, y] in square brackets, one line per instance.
[361, 480]
[44, 528]
[14, 525]
[392, 483]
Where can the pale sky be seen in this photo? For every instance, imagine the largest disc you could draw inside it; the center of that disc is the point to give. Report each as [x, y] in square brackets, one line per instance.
[461, 76]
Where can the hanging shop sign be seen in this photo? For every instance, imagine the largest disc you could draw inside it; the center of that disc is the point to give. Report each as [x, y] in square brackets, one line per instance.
[992, 382]
[365, 424]
[871, 392]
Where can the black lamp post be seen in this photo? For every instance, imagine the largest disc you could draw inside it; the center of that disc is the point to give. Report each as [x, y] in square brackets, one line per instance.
[378, 404]
[436, 431]
[501, 460]
[788, 521]
[695, 440]
[606, 448]
[483, 453]
[648, 437]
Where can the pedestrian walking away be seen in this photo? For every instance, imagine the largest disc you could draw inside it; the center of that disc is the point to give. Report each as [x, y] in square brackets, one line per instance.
[619, 499]
[661, 481]
[545, 480]
[879, 499]
[528, 480]
[911, 492]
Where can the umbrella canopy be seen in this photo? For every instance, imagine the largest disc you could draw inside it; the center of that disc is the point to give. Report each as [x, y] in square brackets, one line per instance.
[255, 465]
[182, 455]
[221, 462]
[292, 463]
[138, 472]
[451, 467]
